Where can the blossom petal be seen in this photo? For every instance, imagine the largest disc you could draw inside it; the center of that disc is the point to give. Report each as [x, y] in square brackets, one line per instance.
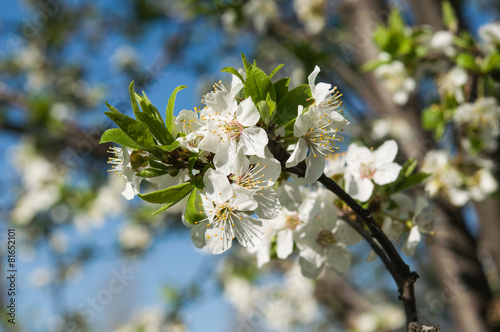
[309, 269]
[315, 167]
[387, 174]
[217, 186]
[386, 153]
[219, 238]
[248, 231]
[242, 199]
[246, 113]
[298, 154]
[284, 243]
[225, 156]
[198, 235]
[269, 204]
[345, 234]
[253, 141]
[412, 242]
[130, 191]
[358, 188]
[338, 259]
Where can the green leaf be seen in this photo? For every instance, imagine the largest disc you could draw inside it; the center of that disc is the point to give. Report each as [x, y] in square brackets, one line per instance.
[372, 64]
[156, 127]
[258, 85]
[134, 129]
[412, 181]
[233, 71]
[111, 108]
[490, 61]
[192, 214]
[152, 172]
[396, 22]
[117, 136]
[467, 61]
[281, 87]
[191, 163]
[288, 105]
[431, 117]
[169, 119]
[246, 64]
[266, 109]
[150, 109]
[133, 100]
[169, 195]
[381, 37]
[449, 17]
[275, 71]
[171, 147]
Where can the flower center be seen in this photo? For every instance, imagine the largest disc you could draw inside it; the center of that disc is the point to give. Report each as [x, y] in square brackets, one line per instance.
[366, 171]
[325, 239]
[233, 129]
[292, 221]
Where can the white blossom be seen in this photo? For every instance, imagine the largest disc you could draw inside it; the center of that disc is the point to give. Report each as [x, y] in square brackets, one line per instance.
[395, 78]
[225, 206]
[311, 13]
[451, 83]
[322, 242]
[365, 166]
[484, 114]
[121, 166]
[192, 127]
[134, 236]
[317, 133]
[231, 128]
[443, 41]
[490, 33]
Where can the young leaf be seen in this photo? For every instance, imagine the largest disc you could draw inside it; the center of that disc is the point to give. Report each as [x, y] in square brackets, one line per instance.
[169, 195]
[281, 87]
[133, 100]
[449, 17]
[258, 85]
[170, 147]
[466, 61]
[152, 172]
[412, 181]
[288, 105]
[233, 71]
[134, 129]
[192, 214]
[156, 127]
[275, 71]
[170, 123]
[117, 136]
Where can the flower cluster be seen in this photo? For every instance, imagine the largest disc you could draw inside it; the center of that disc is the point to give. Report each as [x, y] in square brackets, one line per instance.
[234, 163]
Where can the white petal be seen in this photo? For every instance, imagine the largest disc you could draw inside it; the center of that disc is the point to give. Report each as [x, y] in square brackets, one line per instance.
[339, 259]
[315, 167]
[225, 156]
[387, 174]
[248, 231]
[263, 254]
[218, 240]
[302, 124]
[386, 153]
[246, 113]
[360, 189]
[345, 234]
[198, 234]
[129, 192]
[298, 154]
[242, 199]
[253, 141]
[284, 243]
[309, 209]
[269, 204]
[308, 269]
[217, 186]
[312, 76]
[412, 242]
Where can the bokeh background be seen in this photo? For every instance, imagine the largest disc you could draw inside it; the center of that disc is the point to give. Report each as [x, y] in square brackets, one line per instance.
[89, 260]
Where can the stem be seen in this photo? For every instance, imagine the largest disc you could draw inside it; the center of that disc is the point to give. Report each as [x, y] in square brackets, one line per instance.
[396, 266]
